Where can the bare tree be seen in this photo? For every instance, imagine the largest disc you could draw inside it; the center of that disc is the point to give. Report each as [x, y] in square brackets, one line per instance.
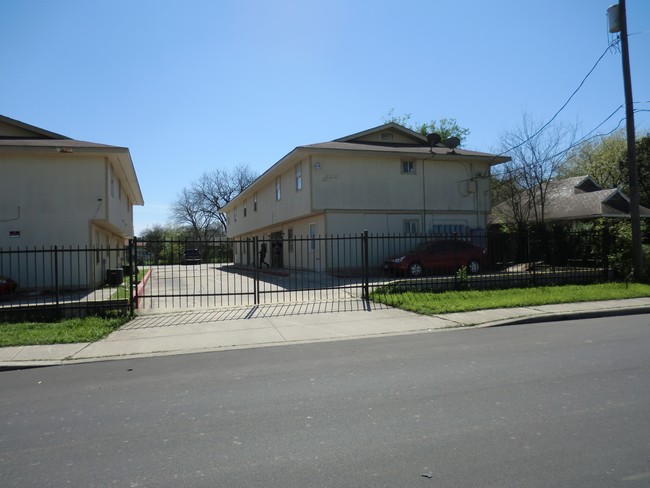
[199, 205]
[538, 154]
[219, 187]
[188, 211]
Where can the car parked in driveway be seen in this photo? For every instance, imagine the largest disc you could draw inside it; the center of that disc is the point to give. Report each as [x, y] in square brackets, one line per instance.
[191, 256]
[7, 285]
[438, 257]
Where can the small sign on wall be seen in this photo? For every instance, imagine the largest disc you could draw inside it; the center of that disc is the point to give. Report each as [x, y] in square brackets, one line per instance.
[14, 234]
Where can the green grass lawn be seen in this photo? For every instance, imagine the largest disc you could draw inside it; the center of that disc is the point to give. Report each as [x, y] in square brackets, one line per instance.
[87, 329]
[122, 291]
[467, 301]
[90, 329]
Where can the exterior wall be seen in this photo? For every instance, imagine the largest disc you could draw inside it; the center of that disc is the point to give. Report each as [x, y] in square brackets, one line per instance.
[306, 253]
[50, 200]
[271, 212]
[65, 201]
[438, 194]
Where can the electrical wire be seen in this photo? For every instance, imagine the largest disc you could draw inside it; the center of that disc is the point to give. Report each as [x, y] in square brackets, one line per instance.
[609, 46]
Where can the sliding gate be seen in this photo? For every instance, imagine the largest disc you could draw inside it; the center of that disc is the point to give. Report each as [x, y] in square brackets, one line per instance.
[227, 273]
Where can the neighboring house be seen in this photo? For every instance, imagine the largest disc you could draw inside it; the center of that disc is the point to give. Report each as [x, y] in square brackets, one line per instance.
[388, 180]
[57, 191]
[574, 199]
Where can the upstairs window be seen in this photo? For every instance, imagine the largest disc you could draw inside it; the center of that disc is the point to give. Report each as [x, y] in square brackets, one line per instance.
[277, 188]
[408, 167]
[255, 202]
[245, 207]
[298, 176]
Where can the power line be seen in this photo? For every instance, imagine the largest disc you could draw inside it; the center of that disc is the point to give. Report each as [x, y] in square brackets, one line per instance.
[609, 46]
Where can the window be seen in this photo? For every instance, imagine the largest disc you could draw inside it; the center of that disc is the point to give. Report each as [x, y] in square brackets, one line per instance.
[408, 167]
[112, 183]
[255, 202]
[290, 238]
[119, 189]
[410, 227]
[245, 207]
[312, 237]
[299, 176]
[234, 214]
[277, 188]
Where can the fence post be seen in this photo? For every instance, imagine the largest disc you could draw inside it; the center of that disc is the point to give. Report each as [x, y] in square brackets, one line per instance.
[605, 245]
[256, 273]
[133, 300]
[365, 264]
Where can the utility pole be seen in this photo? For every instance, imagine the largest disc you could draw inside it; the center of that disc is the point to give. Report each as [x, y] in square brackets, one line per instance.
[637, 250]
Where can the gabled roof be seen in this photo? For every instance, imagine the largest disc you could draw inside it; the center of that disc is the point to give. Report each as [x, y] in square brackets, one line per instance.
[19, 137]
[392, 137]
[390, 127]
[15, 129]
[577, 198]
[403, 143]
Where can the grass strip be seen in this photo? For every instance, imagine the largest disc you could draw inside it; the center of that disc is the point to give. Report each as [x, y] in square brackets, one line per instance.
[427, 303]
[86, 329]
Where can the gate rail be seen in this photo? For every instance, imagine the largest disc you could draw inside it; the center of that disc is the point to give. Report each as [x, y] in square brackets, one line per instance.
[147, 274]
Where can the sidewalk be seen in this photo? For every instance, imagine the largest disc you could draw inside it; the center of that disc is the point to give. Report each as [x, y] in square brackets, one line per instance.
[271, 325]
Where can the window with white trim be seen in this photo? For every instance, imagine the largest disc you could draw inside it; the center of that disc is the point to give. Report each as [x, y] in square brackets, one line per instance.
[299, 176]
[255, 202]
[278, 183]
[408, 167]
[409, 226]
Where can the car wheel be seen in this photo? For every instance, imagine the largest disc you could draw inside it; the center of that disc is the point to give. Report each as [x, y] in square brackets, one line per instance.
[473, 267]
[415, 269]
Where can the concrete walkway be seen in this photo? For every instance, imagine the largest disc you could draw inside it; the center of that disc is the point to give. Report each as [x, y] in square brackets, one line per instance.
[194, 331]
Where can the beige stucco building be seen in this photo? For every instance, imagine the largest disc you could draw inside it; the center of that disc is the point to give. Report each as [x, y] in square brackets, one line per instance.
[57, 191]
[386, 180]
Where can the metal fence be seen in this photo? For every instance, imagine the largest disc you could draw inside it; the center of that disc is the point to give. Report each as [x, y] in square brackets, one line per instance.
[160, 275]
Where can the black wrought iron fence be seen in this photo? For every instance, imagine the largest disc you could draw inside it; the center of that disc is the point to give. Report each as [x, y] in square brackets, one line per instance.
[154, 275]
[63, 280]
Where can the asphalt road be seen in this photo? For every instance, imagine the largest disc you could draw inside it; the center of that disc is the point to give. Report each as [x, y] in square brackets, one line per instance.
[555, 404]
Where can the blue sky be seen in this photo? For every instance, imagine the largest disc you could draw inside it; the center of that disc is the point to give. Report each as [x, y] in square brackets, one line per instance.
[193, 85]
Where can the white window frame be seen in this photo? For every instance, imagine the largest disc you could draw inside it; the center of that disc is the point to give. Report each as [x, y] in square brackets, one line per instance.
[407, 167]
[410, 226]
[278, 188]
[255, 202]
[299, 176]
[245, 208]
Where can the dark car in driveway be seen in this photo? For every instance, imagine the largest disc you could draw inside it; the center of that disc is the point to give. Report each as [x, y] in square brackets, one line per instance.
[7, 285]
[438, 257]
[191, 256]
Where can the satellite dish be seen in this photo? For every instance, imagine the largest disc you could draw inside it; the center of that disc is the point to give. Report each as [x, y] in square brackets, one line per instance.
[451, 142]
[433, 139]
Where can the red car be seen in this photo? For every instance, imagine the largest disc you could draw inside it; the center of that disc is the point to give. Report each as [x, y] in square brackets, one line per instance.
[7, 285]
[438, 257]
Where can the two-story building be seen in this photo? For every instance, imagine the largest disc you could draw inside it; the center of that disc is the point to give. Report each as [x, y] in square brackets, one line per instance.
[386, 180]
[57, 191]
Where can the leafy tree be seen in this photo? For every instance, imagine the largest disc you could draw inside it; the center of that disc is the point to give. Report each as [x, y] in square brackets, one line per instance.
[601, 159]
[606, 161]
[643, 168]
[446, 127]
